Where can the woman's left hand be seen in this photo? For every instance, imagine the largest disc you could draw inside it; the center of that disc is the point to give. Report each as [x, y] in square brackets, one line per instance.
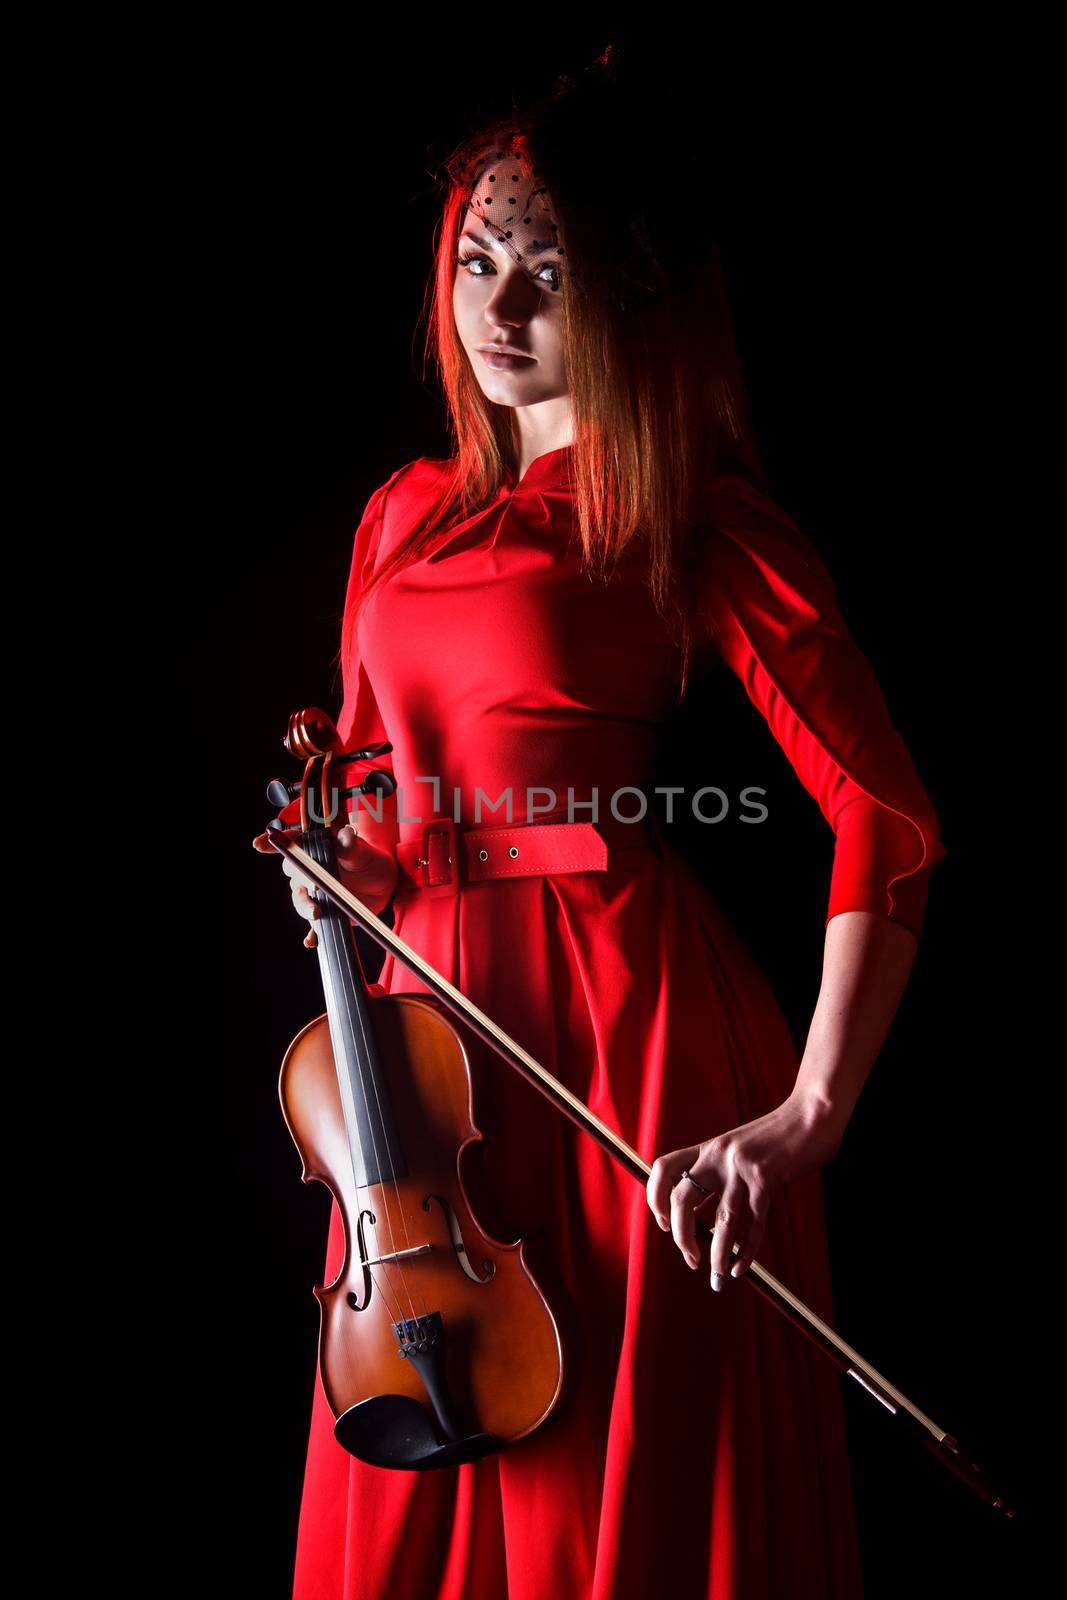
[742, 1169]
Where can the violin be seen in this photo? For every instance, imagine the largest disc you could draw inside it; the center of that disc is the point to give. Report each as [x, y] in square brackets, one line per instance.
[437, 1344]
[385, 1110]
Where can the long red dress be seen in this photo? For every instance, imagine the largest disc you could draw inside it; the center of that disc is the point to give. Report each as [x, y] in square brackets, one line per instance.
[703, 1453]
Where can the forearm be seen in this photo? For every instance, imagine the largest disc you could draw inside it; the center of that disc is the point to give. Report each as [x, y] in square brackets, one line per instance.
[867, 960]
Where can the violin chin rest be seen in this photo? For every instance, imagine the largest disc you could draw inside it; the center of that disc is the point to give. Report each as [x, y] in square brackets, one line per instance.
[393, 1430]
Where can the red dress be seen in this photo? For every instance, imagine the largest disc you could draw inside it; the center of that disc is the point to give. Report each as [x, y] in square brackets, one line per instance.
[704, 1452]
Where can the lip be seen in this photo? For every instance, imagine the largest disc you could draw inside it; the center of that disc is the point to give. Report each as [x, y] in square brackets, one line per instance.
[501, 359]
[504, 350]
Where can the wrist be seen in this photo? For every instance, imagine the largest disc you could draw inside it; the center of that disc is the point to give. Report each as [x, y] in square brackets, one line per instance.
[820, 1113]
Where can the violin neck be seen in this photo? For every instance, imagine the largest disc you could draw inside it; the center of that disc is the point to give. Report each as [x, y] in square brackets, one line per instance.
[372, 1134]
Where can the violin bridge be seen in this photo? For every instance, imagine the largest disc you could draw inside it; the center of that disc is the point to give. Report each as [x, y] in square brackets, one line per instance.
[399, 1255]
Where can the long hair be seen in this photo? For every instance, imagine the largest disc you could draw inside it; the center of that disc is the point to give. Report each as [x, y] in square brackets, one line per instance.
[657, 398]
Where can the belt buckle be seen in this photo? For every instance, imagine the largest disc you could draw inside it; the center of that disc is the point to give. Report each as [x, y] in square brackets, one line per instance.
[444, 854]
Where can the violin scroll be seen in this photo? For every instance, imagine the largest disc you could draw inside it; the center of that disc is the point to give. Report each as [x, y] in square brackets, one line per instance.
[312, 736]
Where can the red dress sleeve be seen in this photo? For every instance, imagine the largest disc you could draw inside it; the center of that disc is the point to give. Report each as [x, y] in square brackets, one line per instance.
[771, 607]
[359, 721]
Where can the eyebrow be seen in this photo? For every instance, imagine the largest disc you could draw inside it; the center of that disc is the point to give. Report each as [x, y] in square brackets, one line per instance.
[477, 239]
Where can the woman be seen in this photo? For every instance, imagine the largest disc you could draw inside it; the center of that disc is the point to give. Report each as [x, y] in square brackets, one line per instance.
[519, 621]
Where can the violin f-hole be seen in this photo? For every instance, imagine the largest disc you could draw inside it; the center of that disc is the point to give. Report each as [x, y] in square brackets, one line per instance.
[357, 1304]
[458, 1245]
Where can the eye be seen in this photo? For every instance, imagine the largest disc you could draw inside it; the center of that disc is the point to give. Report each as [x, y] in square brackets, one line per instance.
[462, 261]
[554, 283]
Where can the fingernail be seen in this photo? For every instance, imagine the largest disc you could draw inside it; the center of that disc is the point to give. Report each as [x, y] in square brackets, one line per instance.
[662, 1221]
[693, 1261]
[736, 1270]
[716, 1281]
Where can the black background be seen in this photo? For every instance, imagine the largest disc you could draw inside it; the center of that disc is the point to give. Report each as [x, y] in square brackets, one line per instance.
[859, 181]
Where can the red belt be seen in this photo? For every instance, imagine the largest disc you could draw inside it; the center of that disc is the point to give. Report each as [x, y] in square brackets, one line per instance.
[449, 854]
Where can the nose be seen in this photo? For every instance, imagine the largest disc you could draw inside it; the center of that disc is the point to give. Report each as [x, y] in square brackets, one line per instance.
[513, 301]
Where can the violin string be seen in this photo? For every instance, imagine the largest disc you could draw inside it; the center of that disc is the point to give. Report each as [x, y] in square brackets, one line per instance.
[384, 1186]
[389, 1156]
[340, 932]
[332, 946]
[385, 1289]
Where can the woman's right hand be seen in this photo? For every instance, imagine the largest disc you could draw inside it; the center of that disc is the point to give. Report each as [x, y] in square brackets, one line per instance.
[370, 873]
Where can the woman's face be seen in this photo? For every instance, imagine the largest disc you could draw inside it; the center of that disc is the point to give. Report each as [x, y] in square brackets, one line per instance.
[498, 302]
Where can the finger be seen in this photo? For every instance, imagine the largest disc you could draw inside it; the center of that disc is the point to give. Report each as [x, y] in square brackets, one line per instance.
[296, 876]
[661, 1181]
[732, 1219]
[686, 1198]
[262, 840]
[305, 904]
[352, 850]
[349, 848]
[754, 1235]
[311, 939]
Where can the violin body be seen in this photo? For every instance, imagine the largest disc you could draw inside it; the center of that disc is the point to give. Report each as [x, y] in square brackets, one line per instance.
[436, 1344]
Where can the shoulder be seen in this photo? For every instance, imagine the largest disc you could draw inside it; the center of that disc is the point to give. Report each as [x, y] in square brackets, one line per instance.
[747, 516]
[754, 554]
[420, 477]
[743, 524]
[393, 509]
[398, 502]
